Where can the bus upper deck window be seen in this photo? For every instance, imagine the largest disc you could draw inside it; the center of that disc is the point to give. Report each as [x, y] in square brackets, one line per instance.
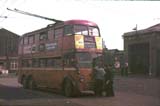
[43, 36]
[93, 31]
[80, 29]
[25, 40]
[68, 30]
[58, 32]
[31, 39]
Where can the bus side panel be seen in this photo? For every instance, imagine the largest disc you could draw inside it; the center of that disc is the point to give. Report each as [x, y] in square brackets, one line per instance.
[55, 77]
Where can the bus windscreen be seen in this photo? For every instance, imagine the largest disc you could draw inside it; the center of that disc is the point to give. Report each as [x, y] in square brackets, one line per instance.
[84, 60]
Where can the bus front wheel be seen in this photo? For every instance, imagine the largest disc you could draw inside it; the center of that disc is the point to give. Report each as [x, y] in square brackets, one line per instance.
[68, 88]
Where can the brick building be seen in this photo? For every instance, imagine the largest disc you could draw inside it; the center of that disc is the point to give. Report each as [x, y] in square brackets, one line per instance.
[8, 50]
[142, 47]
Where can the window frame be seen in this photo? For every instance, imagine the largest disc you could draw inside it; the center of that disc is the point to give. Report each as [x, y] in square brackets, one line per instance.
[93, 27]
[43, 35]
[71, 30]
[81, 32]
[25, 40]
[31, 41]
[87, 29]
[57, 35]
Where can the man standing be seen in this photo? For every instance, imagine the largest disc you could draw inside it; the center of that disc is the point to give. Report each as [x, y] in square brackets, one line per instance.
[108, 84]
[99, 79]
[126, 69]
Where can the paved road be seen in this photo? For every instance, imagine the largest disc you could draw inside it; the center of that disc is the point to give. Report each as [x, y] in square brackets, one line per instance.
[129, 91]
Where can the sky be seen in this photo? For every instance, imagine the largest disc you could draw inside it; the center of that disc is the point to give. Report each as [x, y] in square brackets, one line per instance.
[114, 18]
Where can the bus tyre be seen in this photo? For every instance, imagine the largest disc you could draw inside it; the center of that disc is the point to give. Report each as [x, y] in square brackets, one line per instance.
[31, 84]
[68, 88]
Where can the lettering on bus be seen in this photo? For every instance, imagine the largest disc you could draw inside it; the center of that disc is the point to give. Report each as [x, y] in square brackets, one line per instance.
[89, 45]
[51, 46]
[89, 39]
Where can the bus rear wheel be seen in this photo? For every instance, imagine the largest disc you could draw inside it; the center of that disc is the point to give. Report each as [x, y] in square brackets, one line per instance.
[68, 88]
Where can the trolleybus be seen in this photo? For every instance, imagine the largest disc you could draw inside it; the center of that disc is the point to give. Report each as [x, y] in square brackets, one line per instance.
[59, 57]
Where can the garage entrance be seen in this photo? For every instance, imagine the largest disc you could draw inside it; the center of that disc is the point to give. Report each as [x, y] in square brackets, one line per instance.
[138, 58]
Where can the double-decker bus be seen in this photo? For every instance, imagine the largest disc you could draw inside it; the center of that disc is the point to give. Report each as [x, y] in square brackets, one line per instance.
[59, 57]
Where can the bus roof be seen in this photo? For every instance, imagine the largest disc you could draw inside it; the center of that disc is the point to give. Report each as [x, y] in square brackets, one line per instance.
[68, 22]
[83, 22]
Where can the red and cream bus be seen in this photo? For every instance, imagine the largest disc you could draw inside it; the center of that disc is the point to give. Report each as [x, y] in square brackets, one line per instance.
[59, 56]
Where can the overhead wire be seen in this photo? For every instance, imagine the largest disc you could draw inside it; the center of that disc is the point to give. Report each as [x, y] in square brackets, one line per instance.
[8, 3]
[2, 10]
